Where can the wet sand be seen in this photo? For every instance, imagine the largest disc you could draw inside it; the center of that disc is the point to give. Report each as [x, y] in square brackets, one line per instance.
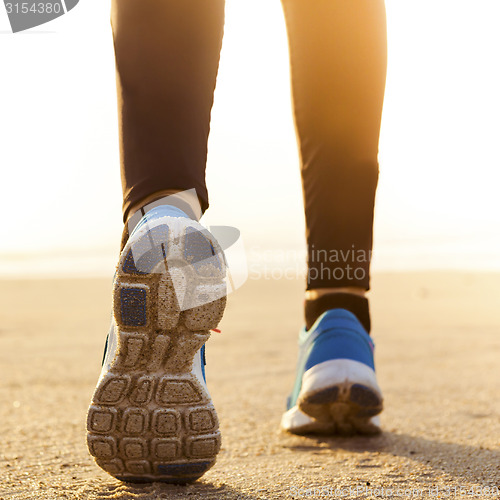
[438, 352]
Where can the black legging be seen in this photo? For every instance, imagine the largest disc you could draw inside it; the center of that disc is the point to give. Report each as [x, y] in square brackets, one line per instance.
[167, 55]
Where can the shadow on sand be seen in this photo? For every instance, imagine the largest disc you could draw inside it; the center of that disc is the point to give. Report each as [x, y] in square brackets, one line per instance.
[462, 461]
[162, 491]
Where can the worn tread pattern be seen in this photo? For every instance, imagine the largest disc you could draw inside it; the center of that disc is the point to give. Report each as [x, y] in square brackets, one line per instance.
[344, 409]
[151, 417]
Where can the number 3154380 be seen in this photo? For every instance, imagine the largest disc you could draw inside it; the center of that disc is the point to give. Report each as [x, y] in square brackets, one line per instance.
[34, 8]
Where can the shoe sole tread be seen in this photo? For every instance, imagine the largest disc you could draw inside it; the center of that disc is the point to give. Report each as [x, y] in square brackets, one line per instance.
[150, 418]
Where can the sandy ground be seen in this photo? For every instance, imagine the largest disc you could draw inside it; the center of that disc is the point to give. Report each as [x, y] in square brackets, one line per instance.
[438, 353]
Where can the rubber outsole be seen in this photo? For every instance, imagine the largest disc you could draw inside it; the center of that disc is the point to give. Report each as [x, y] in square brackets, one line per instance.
[343, 408]
[340, 396]
[151, 417]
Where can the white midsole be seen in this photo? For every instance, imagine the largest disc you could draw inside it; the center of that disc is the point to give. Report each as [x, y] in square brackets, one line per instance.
[322, 376]
[336, 372]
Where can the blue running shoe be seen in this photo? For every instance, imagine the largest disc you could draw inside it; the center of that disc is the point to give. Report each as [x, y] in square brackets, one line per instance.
[336, 390]
[151, 417]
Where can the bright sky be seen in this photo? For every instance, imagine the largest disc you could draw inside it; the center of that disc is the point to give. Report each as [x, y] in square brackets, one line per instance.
[438, 203]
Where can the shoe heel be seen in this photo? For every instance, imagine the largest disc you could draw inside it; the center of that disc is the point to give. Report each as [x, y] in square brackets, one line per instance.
[151, 416]
[343, 394]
